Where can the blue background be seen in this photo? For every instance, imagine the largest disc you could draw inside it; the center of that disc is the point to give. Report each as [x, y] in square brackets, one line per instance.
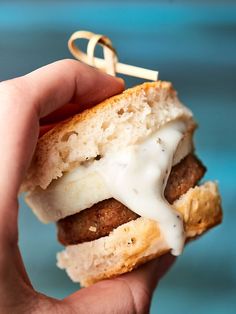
[192, 44]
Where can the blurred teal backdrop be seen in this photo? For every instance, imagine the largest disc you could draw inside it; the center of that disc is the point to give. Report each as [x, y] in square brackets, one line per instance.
[192, 44]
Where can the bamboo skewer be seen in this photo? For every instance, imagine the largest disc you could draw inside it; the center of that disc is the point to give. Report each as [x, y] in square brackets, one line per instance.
[110, 62]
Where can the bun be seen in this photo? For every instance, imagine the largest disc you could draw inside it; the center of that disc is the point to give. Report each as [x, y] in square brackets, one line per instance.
[139, 240]
[117, 122]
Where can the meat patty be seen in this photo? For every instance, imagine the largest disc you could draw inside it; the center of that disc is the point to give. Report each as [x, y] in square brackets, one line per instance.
[100, 219]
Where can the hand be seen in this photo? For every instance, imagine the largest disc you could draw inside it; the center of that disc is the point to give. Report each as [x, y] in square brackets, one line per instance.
[26, 102]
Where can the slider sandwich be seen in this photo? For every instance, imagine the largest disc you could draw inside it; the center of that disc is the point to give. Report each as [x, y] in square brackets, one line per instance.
[121, 181]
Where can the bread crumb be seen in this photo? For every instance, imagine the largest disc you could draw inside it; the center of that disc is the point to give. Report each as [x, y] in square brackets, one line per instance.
[92, 228]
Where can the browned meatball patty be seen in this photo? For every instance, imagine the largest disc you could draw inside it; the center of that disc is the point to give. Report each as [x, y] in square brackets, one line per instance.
[100, 219]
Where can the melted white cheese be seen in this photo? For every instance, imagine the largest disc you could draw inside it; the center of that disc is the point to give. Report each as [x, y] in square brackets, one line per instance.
[136, 176]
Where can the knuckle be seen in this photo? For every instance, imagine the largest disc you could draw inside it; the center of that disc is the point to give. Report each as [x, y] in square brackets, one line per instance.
[12, 89]
[15, 95]
[71, 63]
[139, 296]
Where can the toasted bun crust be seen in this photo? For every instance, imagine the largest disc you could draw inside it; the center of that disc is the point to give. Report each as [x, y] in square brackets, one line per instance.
[140, 240]
[117, 122]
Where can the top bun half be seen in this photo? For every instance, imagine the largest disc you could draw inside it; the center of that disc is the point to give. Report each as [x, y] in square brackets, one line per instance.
[120, 121]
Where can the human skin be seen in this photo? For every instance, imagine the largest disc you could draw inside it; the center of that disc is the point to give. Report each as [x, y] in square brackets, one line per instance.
[26, 103]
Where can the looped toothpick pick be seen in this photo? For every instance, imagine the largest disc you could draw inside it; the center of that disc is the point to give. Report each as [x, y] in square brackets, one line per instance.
[110, 62]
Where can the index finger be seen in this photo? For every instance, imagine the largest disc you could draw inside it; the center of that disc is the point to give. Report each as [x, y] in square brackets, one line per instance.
[26, 99]
[69, 81]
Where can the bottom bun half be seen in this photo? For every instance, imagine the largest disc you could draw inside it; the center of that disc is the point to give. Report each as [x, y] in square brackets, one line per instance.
[140, 240]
